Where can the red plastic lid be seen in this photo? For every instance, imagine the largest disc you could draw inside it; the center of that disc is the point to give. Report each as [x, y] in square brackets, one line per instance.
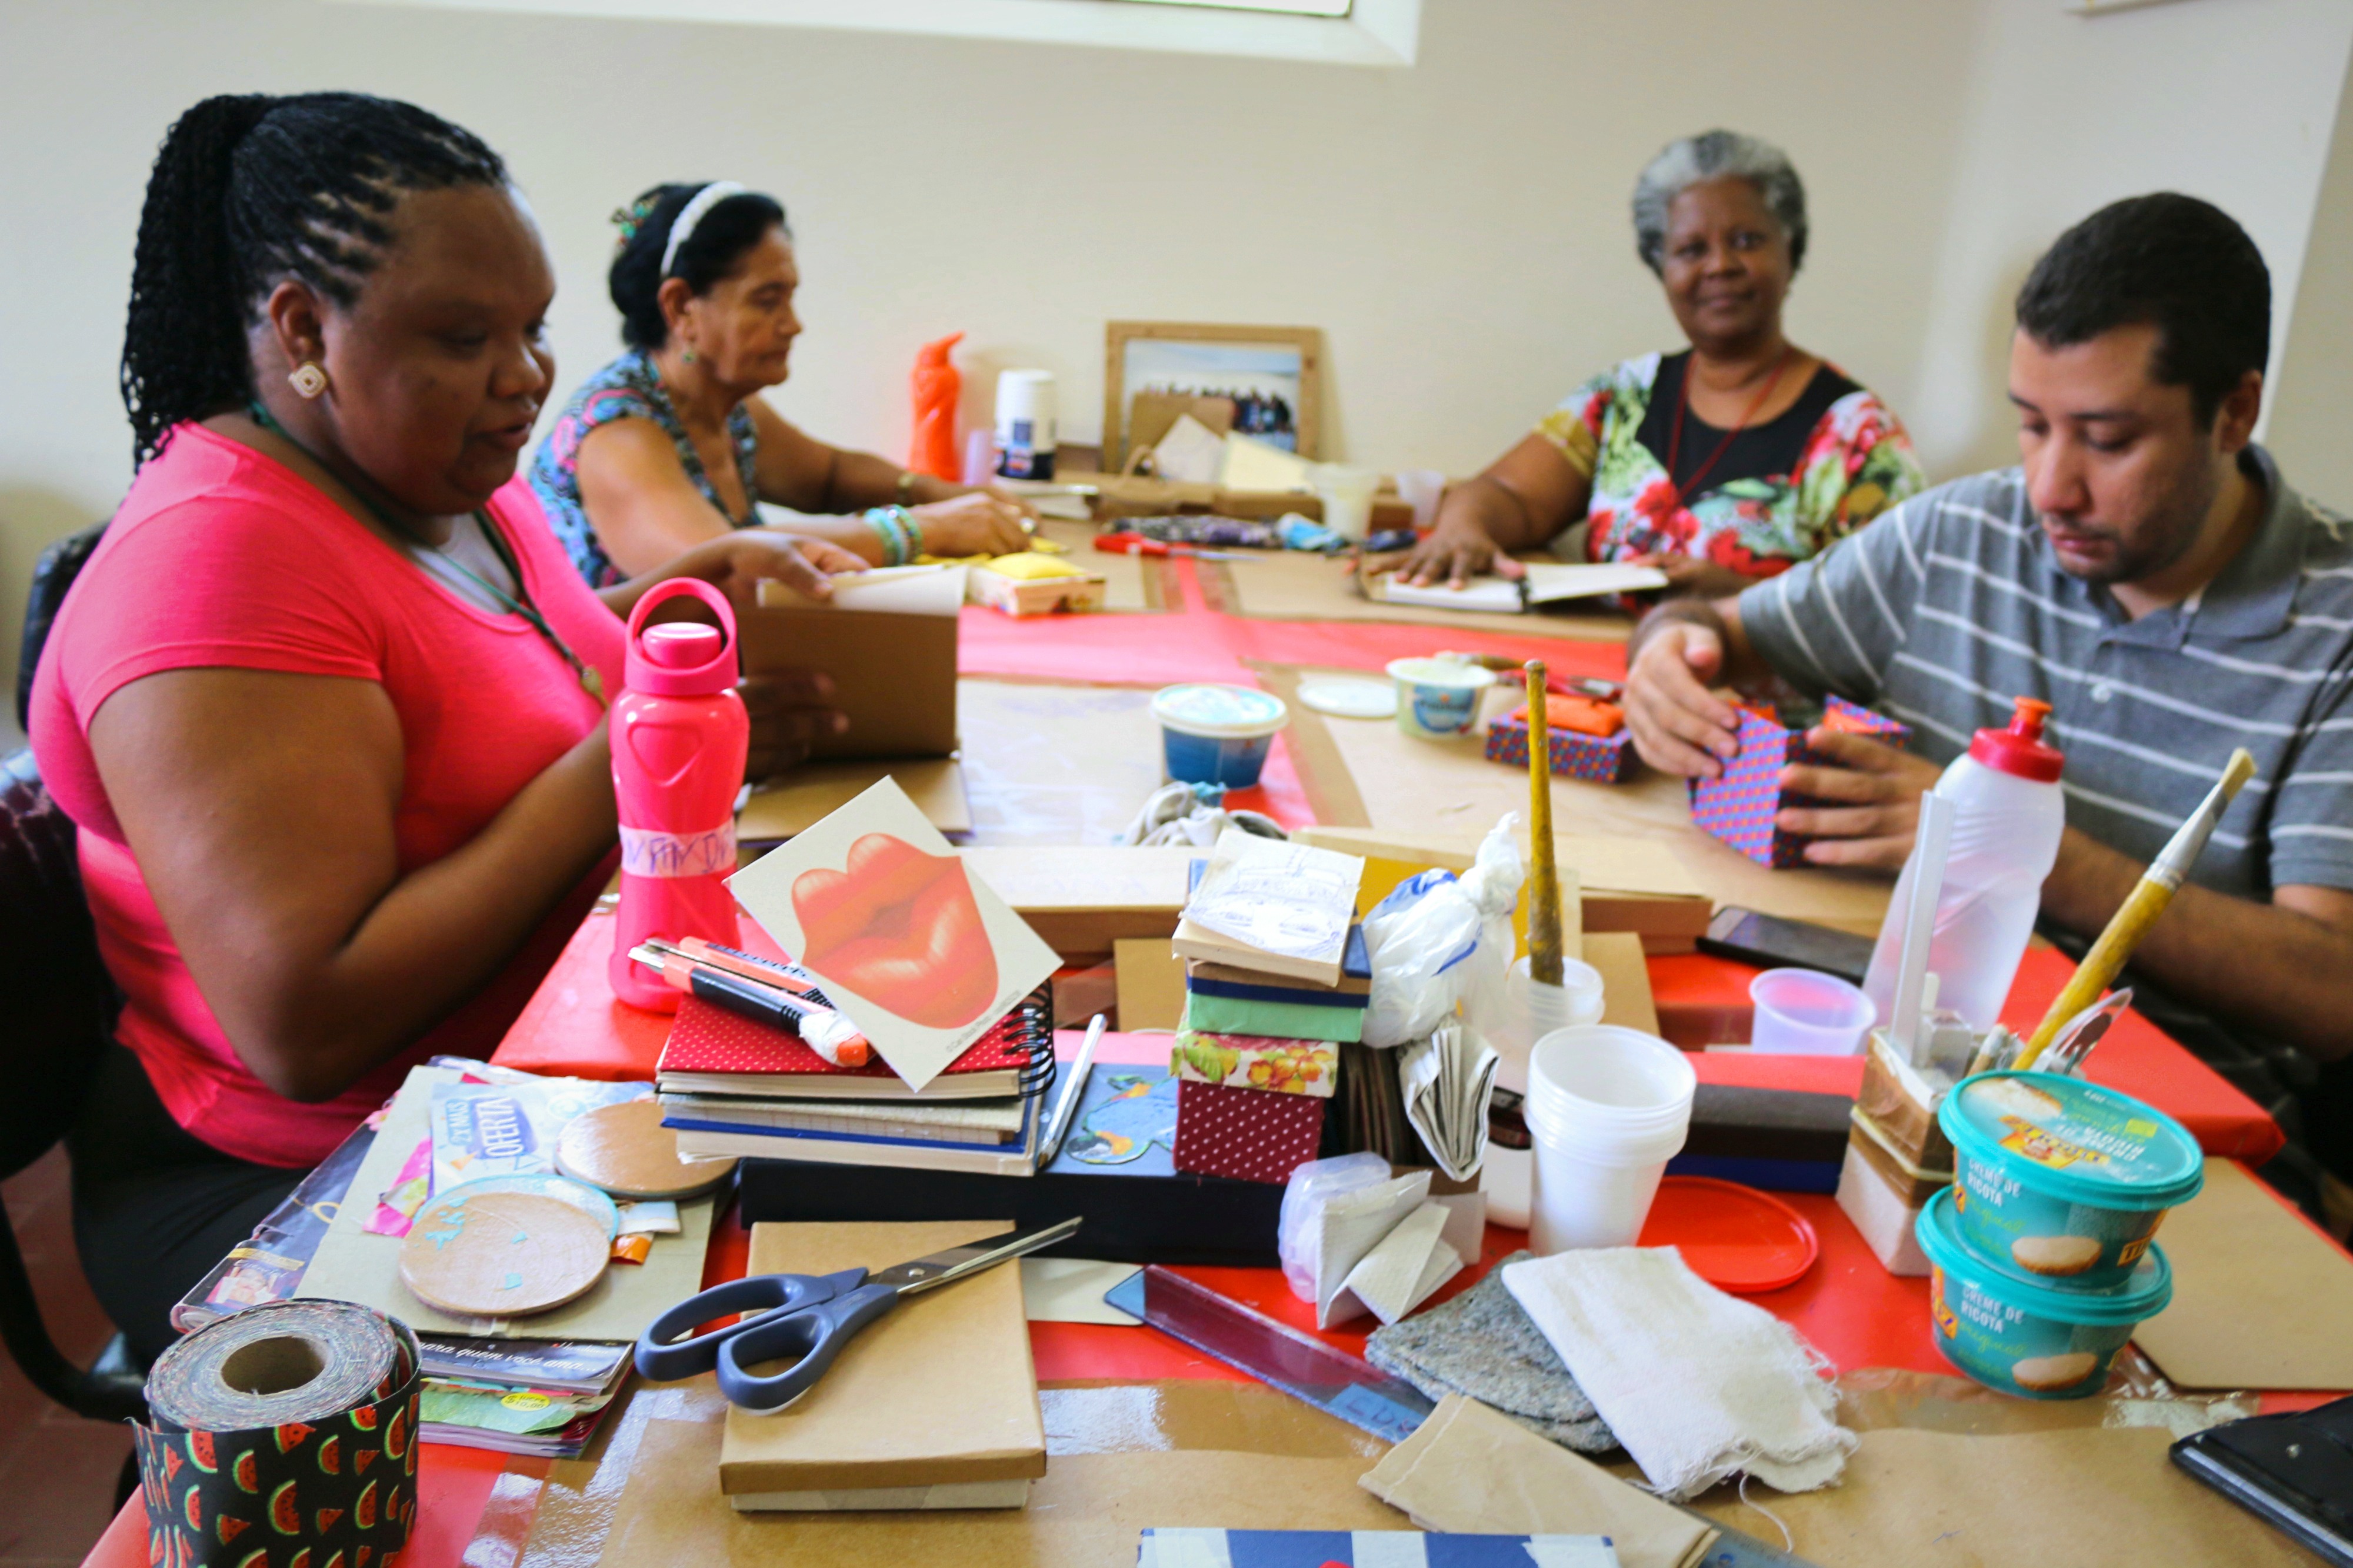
[683, 645]
[1734, 1237]
[2021, 749]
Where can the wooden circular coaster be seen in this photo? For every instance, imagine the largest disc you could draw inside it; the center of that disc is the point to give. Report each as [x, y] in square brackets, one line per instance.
[502, 1254]
[626, 1151]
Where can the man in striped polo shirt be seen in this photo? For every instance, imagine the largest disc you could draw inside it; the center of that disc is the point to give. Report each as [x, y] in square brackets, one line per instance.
[2147, 573]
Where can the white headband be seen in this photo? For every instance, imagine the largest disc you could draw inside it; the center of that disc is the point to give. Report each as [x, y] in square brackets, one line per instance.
[681, 227]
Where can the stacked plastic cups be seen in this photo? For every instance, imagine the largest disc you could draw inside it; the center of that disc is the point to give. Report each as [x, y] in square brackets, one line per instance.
[1607, 1106]
[1531, 1010]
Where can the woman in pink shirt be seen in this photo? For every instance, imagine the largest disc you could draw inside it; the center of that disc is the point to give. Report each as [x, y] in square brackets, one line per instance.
[326, 703]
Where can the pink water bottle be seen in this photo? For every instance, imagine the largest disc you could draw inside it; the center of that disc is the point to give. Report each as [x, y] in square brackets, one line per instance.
[679, 734]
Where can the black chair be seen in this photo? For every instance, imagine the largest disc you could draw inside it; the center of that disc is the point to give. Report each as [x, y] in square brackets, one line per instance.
[61, 1014]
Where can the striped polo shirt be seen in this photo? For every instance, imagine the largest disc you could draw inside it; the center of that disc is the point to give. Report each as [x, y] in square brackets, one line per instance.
[1946, 608]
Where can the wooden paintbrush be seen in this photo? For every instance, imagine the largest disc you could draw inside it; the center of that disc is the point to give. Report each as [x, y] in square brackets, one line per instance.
[2141, 907]
[1544, 871]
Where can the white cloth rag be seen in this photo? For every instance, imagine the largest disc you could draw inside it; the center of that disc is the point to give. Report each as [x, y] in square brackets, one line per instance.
[1697, 1386]
[1177, 814]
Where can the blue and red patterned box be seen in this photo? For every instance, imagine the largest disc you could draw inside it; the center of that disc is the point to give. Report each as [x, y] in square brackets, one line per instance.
[1739, 808]
[1600, 758]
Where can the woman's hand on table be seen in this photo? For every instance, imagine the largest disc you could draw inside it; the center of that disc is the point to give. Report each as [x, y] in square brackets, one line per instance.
[1875, 793]
[735, 563]
[791, 711]
[978, 522]
[1454, 552]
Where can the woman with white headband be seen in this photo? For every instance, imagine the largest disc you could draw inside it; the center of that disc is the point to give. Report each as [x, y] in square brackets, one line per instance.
[671, 445]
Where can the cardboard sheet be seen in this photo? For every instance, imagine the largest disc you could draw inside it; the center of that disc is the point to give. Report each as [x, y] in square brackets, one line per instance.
[1289, 585]
[2086, 1497]
[1083, 899]
[2260, 1298]
[1409, 785]
[354, 1265]
[1626, 997]
[1470, 1468]
[1087, 1511]
[894, 673]
[1071, 1291]
[1151, 985]
[1054, 763]
[794, 802]
[937, 1391]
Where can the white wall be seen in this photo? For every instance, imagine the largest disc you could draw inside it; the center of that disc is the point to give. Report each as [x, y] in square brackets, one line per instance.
[1457, 229]
[2228, 99]
[2313, 380]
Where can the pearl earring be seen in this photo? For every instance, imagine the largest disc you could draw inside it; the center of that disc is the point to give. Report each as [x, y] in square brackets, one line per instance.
[309, 379]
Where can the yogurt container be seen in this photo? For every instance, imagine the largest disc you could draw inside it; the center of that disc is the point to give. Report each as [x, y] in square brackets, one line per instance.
[1217, 735]
[1437, 698]
[2062, 1181]
[2036, 1341]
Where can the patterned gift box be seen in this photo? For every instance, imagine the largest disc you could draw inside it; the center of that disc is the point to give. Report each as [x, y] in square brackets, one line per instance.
[1257, 1061]
[1249, 1134]
[1575, 755]
[1739, 806]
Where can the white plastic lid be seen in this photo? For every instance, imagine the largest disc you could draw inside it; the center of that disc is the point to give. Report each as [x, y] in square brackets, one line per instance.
[1441, 672]
[1220, 712]
[1346, 696]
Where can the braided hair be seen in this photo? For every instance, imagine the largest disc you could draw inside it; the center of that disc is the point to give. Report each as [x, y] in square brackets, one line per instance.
[729, 229]
[249, 190]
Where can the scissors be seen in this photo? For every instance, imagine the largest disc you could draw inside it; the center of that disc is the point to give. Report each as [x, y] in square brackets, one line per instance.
[808, 1317]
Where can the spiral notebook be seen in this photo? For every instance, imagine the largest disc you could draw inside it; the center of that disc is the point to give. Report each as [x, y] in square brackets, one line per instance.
[713, 1051]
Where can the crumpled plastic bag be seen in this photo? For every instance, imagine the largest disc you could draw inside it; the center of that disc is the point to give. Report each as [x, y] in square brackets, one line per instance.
[1190, 815]
[1439, 939]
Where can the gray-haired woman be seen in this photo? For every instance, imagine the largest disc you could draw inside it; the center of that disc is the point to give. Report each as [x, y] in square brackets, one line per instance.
[1720, 465]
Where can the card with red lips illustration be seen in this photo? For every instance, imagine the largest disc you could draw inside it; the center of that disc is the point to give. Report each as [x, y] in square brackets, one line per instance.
[920, 955]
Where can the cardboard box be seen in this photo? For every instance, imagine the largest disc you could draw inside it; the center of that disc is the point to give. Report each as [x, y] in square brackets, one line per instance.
[1902, 1102]
[1739, 806]
[793, 802]
[894, 672]
[939, 1392]
[1085, 900]
[1248, 1135]
[1574, 754]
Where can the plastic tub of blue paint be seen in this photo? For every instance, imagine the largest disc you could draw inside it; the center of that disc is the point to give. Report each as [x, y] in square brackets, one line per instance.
[1217, 735]
[2060, 1180]
[2035, 1340]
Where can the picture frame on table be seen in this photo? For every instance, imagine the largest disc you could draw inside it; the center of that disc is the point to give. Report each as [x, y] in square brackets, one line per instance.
[1266, 383]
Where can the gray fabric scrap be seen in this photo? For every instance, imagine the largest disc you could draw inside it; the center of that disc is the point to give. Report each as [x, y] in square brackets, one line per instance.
[1482, 1344]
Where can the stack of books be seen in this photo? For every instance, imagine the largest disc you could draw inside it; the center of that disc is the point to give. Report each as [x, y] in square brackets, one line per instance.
[541, 1397]
[732, 1084]
[1276, 978]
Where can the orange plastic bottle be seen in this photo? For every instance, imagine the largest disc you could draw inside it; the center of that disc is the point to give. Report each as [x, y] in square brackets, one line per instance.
[938, 389]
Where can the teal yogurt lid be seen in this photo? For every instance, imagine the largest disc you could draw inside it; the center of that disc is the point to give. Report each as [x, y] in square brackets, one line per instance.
[1228, 713]
[2143, 1294]
[2074, 1141]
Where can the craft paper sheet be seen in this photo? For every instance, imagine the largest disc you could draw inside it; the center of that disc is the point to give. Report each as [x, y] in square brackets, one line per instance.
[920, 955]
[1285, 898]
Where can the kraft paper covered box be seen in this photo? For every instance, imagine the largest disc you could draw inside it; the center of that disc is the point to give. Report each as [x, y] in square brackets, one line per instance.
[1248, 1106]
[1740, 806]
[1571, 753]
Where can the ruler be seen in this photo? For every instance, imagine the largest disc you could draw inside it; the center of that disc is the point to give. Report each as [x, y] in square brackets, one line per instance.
[1345, 1388]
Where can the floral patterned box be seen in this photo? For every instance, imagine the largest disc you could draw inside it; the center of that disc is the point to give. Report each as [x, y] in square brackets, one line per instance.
[1257, 1061]
[1739, 808]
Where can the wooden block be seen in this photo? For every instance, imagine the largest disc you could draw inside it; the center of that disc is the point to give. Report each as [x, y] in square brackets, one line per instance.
[1150, 984]
[1023, 598]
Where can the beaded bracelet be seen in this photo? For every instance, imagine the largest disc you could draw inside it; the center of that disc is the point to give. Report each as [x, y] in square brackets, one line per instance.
[902, 536]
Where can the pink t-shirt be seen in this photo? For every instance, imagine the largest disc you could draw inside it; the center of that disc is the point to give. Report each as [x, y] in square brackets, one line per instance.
[221, 556]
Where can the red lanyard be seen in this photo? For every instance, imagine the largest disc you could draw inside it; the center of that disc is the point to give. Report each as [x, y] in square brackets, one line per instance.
[1682, 403]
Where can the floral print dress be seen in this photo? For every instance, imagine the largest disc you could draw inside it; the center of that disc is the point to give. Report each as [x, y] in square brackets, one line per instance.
[628, 388]
[1787, 490]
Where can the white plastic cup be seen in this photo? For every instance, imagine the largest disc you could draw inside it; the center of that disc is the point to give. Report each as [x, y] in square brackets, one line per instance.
[1533, 1010]
[1421, 488]
[1026, 425]
[1348, 496]
[1608, 1106]
[1804, 1013]
[1437, 698]
[1504, 1177]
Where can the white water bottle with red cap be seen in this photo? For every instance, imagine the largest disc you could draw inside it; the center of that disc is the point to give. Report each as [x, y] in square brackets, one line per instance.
[2008, 817]
[679, 734]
